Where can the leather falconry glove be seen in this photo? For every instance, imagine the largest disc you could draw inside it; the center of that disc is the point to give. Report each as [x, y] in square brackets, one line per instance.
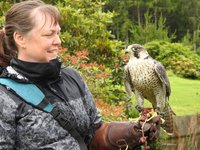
[126, 135]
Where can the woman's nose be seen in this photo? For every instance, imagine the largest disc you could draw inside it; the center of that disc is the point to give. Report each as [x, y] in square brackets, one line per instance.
[57, 40]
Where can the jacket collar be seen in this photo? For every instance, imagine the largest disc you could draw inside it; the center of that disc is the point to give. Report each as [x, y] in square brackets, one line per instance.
[35, 72]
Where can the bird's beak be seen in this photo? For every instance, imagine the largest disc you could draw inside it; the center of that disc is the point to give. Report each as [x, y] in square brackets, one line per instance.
[126, 51]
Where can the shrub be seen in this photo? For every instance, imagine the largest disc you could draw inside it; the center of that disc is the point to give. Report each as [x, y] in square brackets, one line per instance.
[97, 76]
[151, 30]
[111, 112]
[184, 67]
[84, 26]
[175, 56]
[99, 80]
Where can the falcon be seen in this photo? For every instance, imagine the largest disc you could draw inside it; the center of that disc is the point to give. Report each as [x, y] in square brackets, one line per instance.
[147, 79]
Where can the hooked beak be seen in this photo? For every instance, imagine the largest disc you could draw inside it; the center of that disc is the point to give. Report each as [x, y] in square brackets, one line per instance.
[126, 51]
[129, 49]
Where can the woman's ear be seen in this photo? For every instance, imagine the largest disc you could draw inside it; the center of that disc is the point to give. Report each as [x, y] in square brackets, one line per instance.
[19, 39]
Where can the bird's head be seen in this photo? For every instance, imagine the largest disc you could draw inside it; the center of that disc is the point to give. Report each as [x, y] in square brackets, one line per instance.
[137, 51]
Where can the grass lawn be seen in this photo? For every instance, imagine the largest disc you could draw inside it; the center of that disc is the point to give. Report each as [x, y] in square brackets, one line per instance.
[185, 95]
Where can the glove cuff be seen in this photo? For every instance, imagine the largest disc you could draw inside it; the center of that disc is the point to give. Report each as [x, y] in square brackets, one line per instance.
[117, 135]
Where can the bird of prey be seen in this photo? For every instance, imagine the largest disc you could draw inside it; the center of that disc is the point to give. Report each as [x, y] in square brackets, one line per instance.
[147, 79]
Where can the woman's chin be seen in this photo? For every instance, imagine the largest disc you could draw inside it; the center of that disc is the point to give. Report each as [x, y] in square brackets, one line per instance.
[52, 57]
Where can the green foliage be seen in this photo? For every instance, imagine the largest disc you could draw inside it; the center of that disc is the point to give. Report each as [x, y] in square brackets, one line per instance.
[117, 69]
[84, 26]
[184, 67]
[121, 21]
[150, 31]
[184, 17]
[172, 19]
[192, 40]
[4, 6]
[130, 110]
[175, 56]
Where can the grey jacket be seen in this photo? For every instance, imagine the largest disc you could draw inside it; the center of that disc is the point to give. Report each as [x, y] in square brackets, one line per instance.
[24, 127]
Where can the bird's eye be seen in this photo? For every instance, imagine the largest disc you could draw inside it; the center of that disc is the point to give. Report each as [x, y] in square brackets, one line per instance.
[134, 49]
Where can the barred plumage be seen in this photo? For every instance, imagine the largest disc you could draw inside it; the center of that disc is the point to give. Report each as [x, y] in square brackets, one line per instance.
[147, 78]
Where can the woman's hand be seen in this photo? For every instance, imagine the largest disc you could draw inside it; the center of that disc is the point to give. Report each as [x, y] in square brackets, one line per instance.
[126, 135]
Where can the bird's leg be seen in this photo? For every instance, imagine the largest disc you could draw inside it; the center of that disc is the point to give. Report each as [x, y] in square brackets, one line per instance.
[140, 101]
[160, 103]
[157, 110]
[155, 107]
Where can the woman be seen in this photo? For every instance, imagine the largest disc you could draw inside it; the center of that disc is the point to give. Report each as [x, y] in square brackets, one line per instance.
[29, 54]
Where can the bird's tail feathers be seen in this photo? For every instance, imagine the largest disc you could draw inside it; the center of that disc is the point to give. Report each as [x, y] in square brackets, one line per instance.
[167, 115]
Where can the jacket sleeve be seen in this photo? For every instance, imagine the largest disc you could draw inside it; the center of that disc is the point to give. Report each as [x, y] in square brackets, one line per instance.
[95, 117]
[89, 103]
[7, 121]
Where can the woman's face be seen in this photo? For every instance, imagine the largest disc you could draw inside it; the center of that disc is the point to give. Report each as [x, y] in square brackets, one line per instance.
[42, 42]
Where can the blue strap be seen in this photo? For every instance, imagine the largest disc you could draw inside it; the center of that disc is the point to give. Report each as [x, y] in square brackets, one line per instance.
[32, 94]
[29, 92]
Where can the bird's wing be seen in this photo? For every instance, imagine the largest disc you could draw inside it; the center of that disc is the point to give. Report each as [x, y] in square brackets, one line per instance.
[127, 81]
[160, 70]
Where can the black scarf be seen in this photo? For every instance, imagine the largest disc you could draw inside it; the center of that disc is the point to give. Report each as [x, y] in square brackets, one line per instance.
[38, 72]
